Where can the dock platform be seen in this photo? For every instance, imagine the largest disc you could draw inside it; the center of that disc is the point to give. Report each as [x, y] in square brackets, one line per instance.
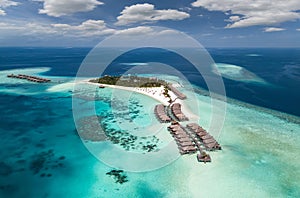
[160, 113]
[204, 137]
[29, 78]
[176, 111]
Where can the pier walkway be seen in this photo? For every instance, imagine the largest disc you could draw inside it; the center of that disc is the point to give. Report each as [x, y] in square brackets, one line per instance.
[185, 143]
[180, 95]
[188, 143]
[204, 137]
[190, 139]
[160, 113]
[29, 78]
[176, 111]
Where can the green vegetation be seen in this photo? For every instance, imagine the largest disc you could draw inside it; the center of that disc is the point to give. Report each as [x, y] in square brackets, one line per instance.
[130, 81]
[109, 80]
[166, 94]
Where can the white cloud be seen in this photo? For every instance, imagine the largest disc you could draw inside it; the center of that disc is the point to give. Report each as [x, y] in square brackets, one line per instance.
[59, 8]
[234, 18]
[8, 3]
[5, 4]
[85, 29]
[2, 12]
[255, 12]
[147, 13]
[145, 31]
[140, 30]
[85, 33]
[273, 29]
[187, 9]
[29, 28]
[206, 34]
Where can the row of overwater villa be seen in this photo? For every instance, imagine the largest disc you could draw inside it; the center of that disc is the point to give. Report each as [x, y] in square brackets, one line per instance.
[29, 78]
[190, 139]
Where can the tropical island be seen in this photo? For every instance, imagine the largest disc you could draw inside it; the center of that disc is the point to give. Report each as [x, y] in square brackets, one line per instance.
[190, 137]
[131, 81]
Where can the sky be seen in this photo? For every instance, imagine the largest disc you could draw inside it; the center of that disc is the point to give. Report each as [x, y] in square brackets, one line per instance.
[214, 23]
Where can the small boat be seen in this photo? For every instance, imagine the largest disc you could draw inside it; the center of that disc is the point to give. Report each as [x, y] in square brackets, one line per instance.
[101, 86]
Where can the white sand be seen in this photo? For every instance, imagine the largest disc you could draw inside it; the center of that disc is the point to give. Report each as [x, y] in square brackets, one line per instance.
[153, 92]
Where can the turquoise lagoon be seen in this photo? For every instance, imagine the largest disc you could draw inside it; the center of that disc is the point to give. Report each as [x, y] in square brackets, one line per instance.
[42, 154]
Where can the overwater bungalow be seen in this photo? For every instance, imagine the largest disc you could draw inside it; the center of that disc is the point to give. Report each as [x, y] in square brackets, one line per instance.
[181, 132]
[29, 78]
[208, 141]
[180, 136]
[199, 129]
[176, 111]
[180, 95]
[201, 134]
[160, 113]
[192, 125]
[203, 157]
[174, 127]
[187, 149]
[207, 136]
[204, 137]
[187, 139]
[174, 123]
[186, 144]
[213, 146]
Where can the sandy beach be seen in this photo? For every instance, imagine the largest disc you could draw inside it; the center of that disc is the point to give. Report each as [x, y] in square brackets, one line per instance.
[153, 92]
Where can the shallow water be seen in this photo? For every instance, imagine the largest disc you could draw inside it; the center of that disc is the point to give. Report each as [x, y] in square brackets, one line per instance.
[44, 156]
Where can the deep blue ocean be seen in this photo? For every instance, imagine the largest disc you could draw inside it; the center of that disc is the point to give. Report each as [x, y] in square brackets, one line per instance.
[279, 67]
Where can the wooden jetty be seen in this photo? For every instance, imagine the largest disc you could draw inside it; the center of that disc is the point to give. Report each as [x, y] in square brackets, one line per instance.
[180, 95]
[193, 139]
[204, 137]
[29, 78]
[176, 111]
[183, 139]
[161, 114]
[190, 139]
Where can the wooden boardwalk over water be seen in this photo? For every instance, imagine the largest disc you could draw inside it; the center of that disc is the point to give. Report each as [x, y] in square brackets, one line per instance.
[161, 113]
[190, 139]
[176, 111]
[29, 78]
[189, 142]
